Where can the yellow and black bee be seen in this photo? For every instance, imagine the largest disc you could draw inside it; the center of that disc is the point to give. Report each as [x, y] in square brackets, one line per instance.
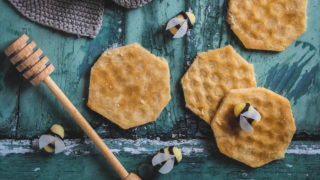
[166, 158]
[52, 141]
[179, 25]
[246, 115]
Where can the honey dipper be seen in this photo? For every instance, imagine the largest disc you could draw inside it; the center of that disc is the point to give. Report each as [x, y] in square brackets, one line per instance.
[35, 70]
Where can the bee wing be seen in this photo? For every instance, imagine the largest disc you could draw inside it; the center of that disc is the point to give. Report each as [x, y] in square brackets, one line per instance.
[253, 114]
[58, 145]
[173, 22]
[244, 124]
[167, 167]
[45, 140]
[161, 157]
[182, 31]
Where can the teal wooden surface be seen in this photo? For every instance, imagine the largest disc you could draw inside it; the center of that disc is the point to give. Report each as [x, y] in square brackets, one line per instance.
[26, 111]
[201, 160]
[292, 73]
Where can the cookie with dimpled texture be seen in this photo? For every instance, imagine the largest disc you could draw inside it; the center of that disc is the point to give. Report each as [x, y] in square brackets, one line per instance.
[211, 76]
[270, 137]
[129, 86]
[268, 24]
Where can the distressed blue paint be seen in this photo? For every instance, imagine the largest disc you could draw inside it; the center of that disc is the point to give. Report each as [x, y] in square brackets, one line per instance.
[94, 50]
[74, 56]
[307, 84]
[107, 35]
[282, 77]
[293, 73]
[305, 45]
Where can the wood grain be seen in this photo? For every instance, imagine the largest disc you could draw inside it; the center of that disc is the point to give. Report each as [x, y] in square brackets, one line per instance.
[200, 159]
[295, 68]
[27, 112]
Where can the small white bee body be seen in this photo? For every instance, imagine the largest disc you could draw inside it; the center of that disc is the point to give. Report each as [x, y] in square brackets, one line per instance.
[52, 141]
[251, 114]
[162, 157]
[49, 139]
[179, 25]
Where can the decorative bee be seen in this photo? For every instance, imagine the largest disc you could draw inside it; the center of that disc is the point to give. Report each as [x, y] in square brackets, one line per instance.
[246, 115]
[52, 141]
[179, 25]
[166, 158]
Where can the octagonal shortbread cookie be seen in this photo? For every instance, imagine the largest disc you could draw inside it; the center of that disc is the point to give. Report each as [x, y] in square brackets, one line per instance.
[271, 135]
[211, 76]
[267, 24]
[129, 86]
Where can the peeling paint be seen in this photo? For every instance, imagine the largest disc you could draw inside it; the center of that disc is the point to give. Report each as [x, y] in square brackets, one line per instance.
[138, 146]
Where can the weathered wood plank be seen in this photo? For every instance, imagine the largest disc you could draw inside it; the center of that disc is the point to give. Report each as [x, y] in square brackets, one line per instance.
[292, 73]
[146, 26]
[72, 58]
[297, 68]
[10, 80]
[32, 110]
[201, 159]
[9, 97]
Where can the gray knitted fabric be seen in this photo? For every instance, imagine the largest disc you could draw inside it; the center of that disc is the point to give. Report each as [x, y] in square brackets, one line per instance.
[132, 3]
[81, 17]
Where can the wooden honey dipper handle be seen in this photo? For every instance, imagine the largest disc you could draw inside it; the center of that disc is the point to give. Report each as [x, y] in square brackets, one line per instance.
[36, 70]
[85, 126]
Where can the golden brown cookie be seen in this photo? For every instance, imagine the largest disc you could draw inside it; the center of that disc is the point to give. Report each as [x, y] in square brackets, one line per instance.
[268, 24]
[211, 76]
[270, 137]
[129, 86]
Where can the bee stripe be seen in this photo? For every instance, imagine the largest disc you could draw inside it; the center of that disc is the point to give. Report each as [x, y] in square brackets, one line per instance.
[51, 145]
[184, 14]
[245, 109]
[53, 134]
[178, 26]
[171, 150]
[172, 153]
[250, 120]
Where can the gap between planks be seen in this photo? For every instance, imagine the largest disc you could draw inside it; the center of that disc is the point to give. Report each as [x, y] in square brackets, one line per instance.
[141, 146]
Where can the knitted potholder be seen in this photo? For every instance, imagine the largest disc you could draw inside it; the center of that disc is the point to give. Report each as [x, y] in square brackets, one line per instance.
[81, 17]
[132, 3]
